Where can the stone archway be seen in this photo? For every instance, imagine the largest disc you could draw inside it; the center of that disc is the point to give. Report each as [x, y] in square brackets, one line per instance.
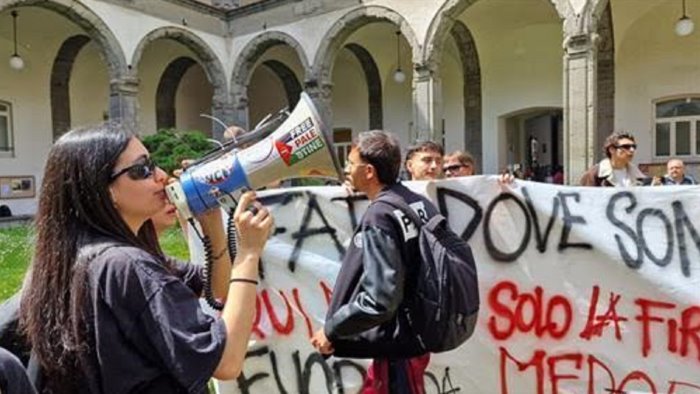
[205, 56]
[374, 84]
[292, 87]
[93, 26]
[121, 108]
[605, 71]
[319, 85]
[245, 65]
[441, 26]
[336, 36]
[441, 29]
[471, 90]
[167, 91]
[60, 83]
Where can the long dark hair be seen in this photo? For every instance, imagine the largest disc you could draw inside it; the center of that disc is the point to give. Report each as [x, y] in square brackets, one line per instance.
[75, 208]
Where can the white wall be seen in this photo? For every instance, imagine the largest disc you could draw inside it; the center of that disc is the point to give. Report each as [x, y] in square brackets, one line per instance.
[453, 98]
[89, 87]
[130, 27]
[266, 94]
[652, 63]
[28, 92]
[520, 51]
[193, 98]
[155, 59]
[350, 97]
[379, 39]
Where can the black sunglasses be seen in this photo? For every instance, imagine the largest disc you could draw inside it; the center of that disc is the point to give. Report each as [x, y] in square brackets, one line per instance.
[138, 171]
[626, 146]
[453, 167]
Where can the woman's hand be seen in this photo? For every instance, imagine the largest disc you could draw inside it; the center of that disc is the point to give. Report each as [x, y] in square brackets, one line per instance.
[254, 224]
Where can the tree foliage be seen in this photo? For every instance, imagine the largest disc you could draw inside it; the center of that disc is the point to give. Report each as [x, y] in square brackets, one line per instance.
[168, 147]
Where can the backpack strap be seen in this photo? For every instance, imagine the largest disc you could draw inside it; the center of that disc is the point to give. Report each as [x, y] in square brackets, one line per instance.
[399, 203]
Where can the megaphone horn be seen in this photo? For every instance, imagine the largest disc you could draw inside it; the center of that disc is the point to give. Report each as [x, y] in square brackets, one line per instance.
[300, 147]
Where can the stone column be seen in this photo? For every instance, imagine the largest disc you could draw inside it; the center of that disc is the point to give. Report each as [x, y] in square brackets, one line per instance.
[580, 105]
[223, 111]
[321, 92]
[123, 101]
[427, 105]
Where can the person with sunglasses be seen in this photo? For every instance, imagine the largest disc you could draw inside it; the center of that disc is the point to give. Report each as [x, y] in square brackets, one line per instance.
[616, 170]
[458, 163]
[103, 309]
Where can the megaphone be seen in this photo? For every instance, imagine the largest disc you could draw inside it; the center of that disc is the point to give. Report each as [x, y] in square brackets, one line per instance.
[298, 148]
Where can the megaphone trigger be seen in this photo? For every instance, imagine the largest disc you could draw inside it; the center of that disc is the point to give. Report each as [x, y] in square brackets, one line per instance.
[253, 209]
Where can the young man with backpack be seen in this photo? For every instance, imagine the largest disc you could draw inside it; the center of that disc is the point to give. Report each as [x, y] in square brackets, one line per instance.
[369, 314]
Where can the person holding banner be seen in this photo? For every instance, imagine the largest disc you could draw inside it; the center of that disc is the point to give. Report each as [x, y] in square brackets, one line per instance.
[675, 174]
[103, 308]
[365, 318]
[457, 164]
[617, 169]
[424, 161]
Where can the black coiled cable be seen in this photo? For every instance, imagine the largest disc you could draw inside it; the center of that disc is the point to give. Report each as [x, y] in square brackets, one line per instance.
[209, 259]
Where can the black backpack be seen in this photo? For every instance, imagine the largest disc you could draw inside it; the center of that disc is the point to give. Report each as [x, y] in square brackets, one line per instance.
[445, 306]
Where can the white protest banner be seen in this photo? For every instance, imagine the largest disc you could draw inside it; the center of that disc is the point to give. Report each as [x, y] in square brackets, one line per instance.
[583, 290]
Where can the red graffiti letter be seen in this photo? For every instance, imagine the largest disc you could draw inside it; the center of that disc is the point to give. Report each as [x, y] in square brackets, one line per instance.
[537, 361]
[554, 378]
[689, 332]
[595, 323]
[501, 309]
[645, 318]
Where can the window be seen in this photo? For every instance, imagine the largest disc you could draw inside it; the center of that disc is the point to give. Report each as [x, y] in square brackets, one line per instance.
[6, 146]
[677, 127]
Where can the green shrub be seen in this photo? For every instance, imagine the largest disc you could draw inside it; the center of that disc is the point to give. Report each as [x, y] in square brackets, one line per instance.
[169, 147]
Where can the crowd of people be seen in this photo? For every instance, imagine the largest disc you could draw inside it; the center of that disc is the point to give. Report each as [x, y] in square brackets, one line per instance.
[104, 310]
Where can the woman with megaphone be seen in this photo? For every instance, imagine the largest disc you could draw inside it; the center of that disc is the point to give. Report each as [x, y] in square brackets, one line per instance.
[104, 309]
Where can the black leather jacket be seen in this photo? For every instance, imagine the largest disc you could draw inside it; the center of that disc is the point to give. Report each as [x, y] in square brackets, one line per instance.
[365, 318]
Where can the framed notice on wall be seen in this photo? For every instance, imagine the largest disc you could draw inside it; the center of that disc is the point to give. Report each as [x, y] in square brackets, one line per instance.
[17, 187]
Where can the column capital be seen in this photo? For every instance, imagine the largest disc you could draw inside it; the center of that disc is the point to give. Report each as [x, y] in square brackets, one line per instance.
[318, 88]
[321, 93]
[424, 71]
[128, 85]
[579, 44]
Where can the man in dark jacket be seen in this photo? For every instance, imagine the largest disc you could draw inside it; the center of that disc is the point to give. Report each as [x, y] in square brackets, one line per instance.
[616, 169]
[366, 317]
[676, 174]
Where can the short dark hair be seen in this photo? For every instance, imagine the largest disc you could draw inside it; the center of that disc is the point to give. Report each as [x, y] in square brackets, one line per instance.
[465, 158]
[424, 146]
[382, 150]
[611, 141]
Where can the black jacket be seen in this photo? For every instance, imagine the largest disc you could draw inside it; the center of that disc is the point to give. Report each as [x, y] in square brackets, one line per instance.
[365, 318]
